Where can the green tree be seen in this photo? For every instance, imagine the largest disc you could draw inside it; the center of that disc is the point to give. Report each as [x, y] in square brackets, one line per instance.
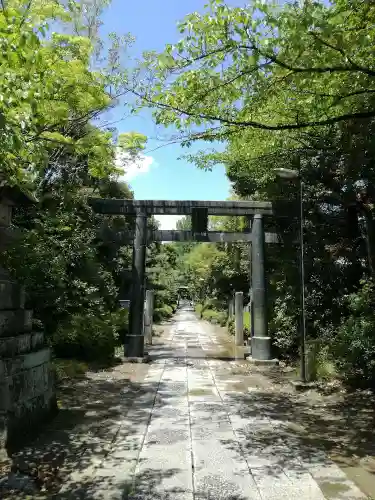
[51, 94]
[162, 277]
[269, 66]
[291, 86]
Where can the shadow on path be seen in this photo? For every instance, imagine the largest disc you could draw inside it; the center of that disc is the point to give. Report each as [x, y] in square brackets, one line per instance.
[93, 446]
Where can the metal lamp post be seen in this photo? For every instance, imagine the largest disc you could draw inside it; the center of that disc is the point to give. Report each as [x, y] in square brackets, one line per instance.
[289, 174]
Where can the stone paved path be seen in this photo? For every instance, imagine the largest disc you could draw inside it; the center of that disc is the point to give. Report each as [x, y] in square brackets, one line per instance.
[199, 431]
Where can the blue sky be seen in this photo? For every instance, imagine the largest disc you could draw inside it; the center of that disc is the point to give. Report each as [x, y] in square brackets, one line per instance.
[161, 175]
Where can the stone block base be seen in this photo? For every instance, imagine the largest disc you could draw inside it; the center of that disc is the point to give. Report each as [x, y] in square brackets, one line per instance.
[135, 346]
[27, 392]
[240, 352]
[137, 359]
[27, 422]
[262, 362]
[27, 397]
[300, 386]
[261, 348]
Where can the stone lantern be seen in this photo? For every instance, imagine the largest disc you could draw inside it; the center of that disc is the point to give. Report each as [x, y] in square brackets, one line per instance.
[27, 395]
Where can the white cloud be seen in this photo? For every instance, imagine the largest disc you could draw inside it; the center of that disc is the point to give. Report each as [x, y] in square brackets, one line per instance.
[132, 169]
[168, 221]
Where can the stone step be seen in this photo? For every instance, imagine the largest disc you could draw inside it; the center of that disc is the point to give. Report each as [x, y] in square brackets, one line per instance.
[20, 344]
[13, 322]
[12, 295]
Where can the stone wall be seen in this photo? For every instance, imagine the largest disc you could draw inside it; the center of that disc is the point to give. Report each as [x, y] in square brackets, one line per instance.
[27, 396]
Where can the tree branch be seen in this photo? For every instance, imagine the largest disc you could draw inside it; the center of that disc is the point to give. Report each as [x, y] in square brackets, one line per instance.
[312, 69]
[353, 67]
[255, 124]
[28, 6]
[341, 51]
[201, 97]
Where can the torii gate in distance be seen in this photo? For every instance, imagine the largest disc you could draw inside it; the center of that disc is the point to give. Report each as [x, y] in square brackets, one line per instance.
[199, 212]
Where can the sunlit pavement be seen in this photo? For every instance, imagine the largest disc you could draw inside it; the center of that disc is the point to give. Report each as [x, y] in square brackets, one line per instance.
[201, 430]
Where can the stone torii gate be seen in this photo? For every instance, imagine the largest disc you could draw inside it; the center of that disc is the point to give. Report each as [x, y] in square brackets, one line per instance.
[199, 212]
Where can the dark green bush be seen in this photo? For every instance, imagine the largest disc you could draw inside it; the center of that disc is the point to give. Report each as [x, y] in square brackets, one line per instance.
[246, 325]
[218, 317]
[284, 329]
[89, 337]
[199, 309]
[354, 345]
[231, 325]
[162, 313]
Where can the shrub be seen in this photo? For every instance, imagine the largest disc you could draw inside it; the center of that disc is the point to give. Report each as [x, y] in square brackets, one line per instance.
[326, 368]
[121, 319]
[199, 309]
[69, 368]
[231, 325]
[284, 330]
[89, 337]
[246, 325]
[162, 313]
[218, 317]
[319, 362]
[354, 345]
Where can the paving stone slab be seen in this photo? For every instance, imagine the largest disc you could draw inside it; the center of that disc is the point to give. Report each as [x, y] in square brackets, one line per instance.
[209, 485]
[136, 420]
[175, 376]
[208, 411]
[214, 429]
[178, 403]
[170, 411]
[338, 489]
[172, 385]
[165, 392]
[171, 414]
[161, 495]
[206, 397]
[165, 436]
[274, 484]
[127, 446]
[164, 469]
[203, 378]
[167, 400]
[207, 385]
[176, 456]
[154, 377]
[333, 482]
[219, 456]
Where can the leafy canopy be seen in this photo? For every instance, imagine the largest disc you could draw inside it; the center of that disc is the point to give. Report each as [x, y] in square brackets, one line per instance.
[49, 93]
[267, 66]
